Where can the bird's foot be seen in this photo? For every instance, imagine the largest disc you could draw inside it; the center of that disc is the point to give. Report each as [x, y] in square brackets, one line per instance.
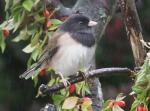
[65, 81]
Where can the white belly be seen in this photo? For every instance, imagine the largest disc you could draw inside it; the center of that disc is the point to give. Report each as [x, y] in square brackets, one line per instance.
[72, 58]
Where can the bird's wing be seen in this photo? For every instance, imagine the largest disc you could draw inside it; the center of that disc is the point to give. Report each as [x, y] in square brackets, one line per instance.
[46, 56]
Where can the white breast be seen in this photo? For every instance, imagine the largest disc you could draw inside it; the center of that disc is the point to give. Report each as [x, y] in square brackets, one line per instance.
[72, 56]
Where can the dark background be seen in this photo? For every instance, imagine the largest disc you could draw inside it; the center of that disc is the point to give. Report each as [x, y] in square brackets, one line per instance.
[113, 50]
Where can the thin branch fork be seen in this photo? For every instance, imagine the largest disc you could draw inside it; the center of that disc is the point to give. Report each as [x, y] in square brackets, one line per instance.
[79, 77]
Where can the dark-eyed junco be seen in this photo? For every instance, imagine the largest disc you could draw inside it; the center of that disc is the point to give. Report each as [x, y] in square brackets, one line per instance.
[70, 49]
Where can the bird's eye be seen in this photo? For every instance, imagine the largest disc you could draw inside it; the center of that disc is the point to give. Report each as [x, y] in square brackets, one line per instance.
[80, 22]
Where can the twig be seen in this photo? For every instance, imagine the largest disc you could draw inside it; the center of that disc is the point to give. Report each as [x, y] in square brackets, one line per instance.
[79, 77]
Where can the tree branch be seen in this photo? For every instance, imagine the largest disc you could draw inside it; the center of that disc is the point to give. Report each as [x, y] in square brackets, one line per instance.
[61, 9]
[79, 77]
[134, 30]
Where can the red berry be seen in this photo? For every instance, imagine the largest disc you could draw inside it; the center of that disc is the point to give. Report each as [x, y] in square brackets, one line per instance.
[46, 13]
[141, 108]
[6, 32]
[42, 72]
[49, 24]
[120, 103]
[72, 88]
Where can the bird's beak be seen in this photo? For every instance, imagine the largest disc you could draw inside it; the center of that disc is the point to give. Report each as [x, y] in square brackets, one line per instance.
[92, 23]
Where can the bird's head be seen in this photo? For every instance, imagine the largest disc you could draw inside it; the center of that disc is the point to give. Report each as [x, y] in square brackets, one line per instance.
[77, 23]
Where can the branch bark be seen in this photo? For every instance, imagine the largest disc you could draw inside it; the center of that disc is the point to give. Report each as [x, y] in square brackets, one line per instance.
[134, 30]
[104, 72]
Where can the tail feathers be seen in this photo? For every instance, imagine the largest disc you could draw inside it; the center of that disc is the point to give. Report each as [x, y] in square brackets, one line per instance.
[30, 72]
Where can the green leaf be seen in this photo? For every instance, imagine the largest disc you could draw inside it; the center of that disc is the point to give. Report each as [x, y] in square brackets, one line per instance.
[106, 106]
[35, 53]
[35, 39]
[56, 21]
[134, 105]
[27, 4]
[19, 20]
[2, 42]
[51, 82]
[7, 2]
[35, 74]
[36, 2]
[35, 80]
[3, 25]
[79, 87]
[86, 105]
[29, 62]
[120, 97]
[53, 27]
[9, 25]
[29, 48]
[23, 35]
[3, 46]
[70, 102]
[39, 18]
[137, 89]
[64, 92]
[58, 99]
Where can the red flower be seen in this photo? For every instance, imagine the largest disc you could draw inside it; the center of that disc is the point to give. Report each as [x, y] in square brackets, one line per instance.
[46, 13]
[6, 32]
[72, 88]
[42, 72]
[120, 103]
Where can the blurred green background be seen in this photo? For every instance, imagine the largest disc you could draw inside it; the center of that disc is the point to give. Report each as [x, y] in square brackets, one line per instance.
[113, 51]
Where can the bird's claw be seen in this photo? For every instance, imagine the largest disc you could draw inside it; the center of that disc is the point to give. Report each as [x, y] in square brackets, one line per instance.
[65, 82]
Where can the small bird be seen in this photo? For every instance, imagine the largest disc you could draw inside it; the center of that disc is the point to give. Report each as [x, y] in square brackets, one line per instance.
[71, 48]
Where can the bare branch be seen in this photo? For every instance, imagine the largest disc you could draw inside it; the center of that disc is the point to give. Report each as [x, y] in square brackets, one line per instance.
[79, 77]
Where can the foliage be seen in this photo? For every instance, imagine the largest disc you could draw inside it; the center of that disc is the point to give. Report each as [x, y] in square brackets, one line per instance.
[114, 105]
[35, 26]
[141, 88]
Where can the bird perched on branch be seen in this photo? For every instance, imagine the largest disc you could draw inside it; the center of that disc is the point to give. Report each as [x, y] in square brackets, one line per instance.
[71, 48]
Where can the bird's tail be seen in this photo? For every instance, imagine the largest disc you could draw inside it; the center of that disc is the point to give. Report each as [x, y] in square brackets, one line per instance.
[31, 71]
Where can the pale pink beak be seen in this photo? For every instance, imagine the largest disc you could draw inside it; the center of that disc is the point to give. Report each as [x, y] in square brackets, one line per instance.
[92, 23]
